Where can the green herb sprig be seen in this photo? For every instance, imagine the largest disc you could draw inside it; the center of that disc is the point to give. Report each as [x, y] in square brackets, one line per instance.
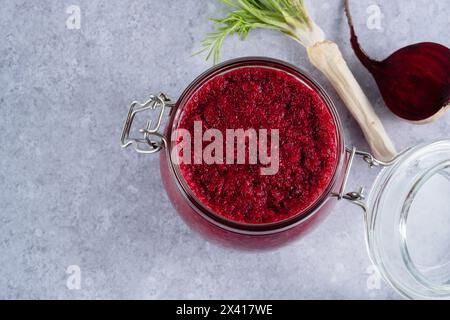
[288, 16]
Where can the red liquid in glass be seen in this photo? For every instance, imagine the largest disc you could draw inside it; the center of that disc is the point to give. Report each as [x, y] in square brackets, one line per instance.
[237, 198]
[262, 98]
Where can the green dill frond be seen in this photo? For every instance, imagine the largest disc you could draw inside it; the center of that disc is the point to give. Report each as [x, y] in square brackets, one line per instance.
[287, 16]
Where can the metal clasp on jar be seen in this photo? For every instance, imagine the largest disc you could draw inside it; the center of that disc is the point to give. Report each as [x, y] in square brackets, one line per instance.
[357, 197]
[151, 139]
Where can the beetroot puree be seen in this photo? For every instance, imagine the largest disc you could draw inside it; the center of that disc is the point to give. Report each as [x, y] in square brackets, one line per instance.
[263, 98]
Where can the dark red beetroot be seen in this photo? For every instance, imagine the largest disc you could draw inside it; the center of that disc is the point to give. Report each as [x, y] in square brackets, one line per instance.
[414, 81]
[263, 98]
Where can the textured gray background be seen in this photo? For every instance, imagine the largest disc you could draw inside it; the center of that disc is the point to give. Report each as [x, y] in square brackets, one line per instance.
[70, 196]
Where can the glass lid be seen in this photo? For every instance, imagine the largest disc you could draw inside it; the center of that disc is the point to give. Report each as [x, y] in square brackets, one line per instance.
[408, 222]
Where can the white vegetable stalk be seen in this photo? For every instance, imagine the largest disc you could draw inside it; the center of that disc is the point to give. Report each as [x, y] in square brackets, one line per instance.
[291, 18]
[326, 56]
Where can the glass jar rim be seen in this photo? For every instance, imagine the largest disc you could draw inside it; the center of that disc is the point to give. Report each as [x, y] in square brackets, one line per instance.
[241, 227]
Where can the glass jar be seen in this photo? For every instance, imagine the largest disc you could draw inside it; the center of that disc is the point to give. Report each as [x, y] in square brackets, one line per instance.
[408, 222]
[388, 211]
[201, 218]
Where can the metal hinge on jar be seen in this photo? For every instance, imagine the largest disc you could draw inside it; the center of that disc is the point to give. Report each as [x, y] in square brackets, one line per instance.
[151, 139]
[358, 197]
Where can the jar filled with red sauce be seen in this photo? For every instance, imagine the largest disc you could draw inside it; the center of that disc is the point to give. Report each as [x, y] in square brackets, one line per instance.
[233, 202]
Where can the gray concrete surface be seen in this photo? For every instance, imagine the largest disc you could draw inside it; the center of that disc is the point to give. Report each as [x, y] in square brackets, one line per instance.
[69, 196]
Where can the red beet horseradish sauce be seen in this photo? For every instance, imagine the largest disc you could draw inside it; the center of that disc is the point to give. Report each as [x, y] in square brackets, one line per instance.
[258, 98]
